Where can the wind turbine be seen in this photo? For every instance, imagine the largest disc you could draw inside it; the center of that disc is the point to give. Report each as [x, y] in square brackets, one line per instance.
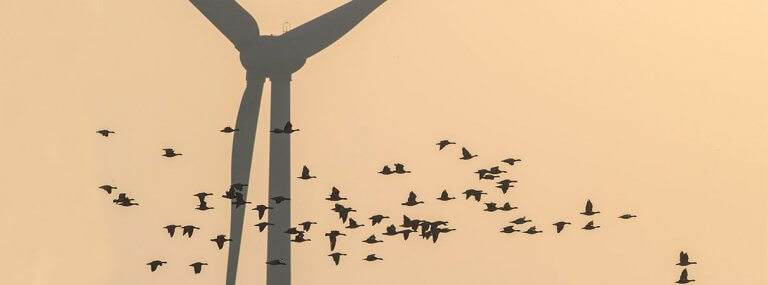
[276, 58]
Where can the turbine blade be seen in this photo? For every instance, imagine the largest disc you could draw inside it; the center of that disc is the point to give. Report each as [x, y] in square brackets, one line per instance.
[231, 19]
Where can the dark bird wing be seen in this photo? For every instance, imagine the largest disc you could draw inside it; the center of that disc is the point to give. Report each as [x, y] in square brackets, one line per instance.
[465, 152]
[684, 274]
[588, 208]
[305, 171]
[412, 197]
[683, 257]
[288, 127]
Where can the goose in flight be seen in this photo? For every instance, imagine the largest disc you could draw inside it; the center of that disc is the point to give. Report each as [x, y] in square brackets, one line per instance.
[386, 170]
[203, 206]
[293, 231]
[287, 129]
[353, 224]
[154, 264]
[510, 161]
[332, 237]
[627, 216]
[229, 129]
[305, 174]
[300, 238]
[684, 259]
[375, 219]
[372, 239]
[261, 209]
[466, 155]
[219, 240]
[123, 200]
[107, 188]
[391, 231]
[263, 225]
[490, 207]
[474, 193]
[198, 266]
[343, 212]
[400, 169]
[171, 229]
[505, 184]
[507, 207]
[412, 200]
[532, 231]
[588, 209]
[280, 199]
[444, 196]
[560, 226]
[201, 196]
[188, 230]
[590, 226]
[481, 173]
[335, 195]
[520, 221]
[105, 133]
[684, 277]
[509, 229]
[336, 257]
[276, 262]
[169, 152]
[496, 170]
[443, 143]
[305, 225]
[372, 257]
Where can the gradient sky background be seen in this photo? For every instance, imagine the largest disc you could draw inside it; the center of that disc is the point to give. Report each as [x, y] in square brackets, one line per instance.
[651, 107]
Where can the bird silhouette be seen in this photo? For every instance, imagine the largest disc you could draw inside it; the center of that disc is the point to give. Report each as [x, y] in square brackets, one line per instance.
[335, 195]
[684, 259]
[390, 231]
[105, 133]
[412, 200]
[435, 232]
[202, 196]
[219, 240]
[154, 264]
[239, 201]
[560, 226]
[188, 230]
[466, 155]
[123, 200]
[520, 221]
[230, 194]
[198, 266]
[343, 212]
[532, 231]
[444, 196]
[169, 152]
[386, 170]
[353, 224]
[474, 193]
[507, 207]
[490, 207]
[280, 199]
[336, 257]
[375, 219]
[305, 174]
[229, 129]
[171, 229]
[287, 129]
[408, 222]
[481, 173]
[276, 262]
[590, 226]
[372, 257]
[496, 170]
[305, 225]
[505, 184]
[627, 216]
[203, 206]
[443, 143]
[372, 239]
[293, 231]
[510, 161]
[588, 209]
[332, 237]
[107, 188]
[263, 225]
[261, 209]
[684, 277]
[300, 238]
[509, 229]
[400, 169]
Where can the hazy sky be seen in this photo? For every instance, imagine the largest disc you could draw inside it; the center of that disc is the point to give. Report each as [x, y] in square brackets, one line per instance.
[651, 107]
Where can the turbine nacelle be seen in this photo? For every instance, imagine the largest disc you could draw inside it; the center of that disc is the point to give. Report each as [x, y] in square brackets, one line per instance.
[272, 56]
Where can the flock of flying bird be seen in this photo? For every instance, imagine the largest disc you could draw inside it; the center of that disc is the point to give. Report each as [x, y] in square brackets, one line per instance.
[423, 228]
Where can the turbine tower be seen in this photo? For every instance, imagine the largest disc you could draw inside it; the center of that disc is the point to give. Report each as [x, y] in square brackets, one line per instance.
[276, 58]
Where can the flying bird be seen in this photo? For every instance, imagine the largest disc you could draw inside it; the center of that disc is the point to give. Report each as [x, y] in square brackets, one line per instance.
[169, 152]
[202, 196]
[627, 216]
[560, 226]
[444, 196]
[300, 238]
[509, 229]
[372, 239]
[107, 188]
[532, 231]
[305, 225]
[496, 170]
[481, 173]
[590, 226]
[293, 231]
[588, 209]
[684, 259]
[505, 184]
[490, 207]
[372, 257]
[520, 221]
[123, 200]
[171, 229]
[353, 224]
[332, 237]
[261, 209]
[188, 230]
[375, 219]
[229, 129]
[198, 266]
[684, 277]
[386, 170]
[263, 225]
[105, 133]
[443, 143]
[412, 200]
[239, 201]
[336, 257]
[510, 161]
[276, 262]
[219, 240]
[305, 174]
[343, 212]
[335, 195]
[287, 129]
[473, 193]
[154, 264]
[507, 207]
[203, 206]
[280, 199]
[466, 155]
[400, 169]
